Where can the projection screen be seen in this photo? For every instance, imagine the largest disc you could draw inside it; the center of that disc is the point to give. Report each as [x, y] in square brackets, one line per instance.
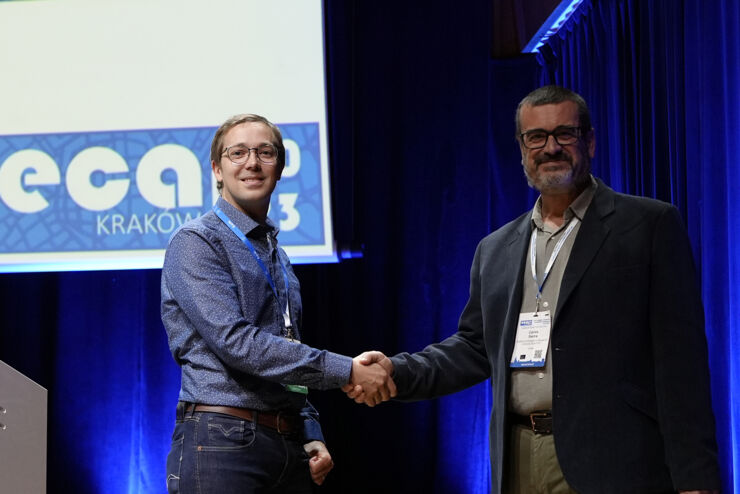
[107, 110]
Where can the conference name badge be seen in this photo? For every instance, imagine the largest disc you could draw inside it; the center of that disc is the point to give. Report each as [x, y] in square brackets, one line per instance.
[532, 338]
[296, 388]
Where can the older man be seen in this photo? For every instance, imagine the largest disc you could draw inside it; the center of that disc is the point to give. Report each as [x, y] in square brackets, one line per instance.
[586, 315]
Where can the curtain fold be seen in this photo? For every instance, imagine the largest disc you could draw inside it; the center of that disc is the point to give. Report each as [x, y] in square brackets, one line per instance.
[424, 165]
[661, 78]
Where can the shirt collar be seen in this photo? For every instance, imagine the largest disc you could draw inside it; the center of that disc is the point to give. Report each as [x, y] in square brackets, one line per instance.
[577, 208]
[245, 223]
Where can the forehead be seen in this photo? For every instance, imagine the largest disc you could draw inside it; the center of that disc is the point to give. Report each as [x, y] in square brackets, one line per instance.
[549, 116]
[248, 133]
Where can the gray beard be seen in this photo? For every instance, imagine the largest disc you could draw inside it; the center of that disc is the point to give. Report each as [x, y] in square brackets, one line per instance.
[560, 183]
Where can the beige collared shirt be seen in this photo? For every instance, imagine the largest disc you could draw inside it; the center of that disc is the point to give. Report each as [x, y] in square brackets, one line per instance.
[531, 388]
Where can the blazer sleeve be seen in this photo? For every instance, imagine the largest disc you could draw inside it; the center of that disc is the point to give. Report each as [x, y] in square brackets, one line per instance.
[680, 353]
[455, 363]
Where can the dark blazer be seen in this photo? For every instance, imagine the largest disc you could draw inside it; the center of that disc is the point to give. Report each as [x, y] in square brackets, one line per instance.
[631, 400]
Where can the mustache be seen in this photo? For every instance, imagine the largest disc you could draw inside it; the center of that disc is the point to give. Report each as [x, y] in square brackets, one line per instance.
[560, 156]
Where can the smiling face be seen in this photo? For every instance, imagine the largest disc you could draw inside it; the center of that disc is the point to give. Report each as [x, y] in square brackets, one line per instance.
[248, 187]
[556, 168]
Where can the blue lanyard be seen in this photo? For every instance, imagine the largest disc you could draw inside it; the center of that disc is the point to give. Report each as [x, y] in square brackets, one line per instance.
[286, 313]
[553, 256]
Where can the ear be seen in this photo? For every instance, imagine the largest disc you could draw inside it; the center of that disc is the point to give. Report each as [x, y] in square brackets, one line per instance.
[217, 171]
[522, 149]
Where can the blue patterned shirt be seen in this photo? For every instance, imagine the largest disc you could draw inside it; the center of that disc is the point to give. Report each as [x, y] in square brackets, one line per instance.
[226, 329]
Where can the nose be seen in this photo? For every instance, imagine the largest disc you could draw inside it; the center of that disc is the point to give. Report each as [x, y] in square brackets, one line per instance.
[551, 145]
[252, 160]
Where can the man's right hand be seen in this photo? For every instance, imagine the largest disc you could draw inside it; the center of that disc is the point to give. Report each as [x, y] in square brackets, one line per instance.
[370, 381]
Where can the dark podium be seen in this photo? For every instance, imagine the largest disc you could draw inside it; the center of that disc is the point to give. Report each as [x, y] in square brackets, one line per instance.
[22, 433]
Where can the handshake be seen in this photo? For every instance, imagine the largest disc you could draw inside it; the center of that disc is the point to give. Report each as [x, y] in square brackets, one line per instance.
[371, 380]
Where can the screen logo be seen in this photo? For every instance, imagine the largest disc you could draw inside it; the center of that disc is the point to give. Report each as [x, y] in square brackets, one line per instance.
[123, 192]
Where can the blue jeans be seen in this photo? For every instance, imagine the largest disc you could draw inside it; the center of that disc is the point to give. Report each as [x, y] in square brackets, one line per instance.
[221, 454]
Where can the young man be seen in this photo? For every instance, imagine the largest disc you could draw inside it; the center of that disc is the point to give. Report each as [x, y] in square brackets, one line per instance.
[231, 306]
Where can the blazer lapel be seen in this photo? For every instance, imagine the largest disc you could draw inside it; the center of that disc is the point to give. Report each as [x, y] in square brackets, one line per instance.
[516, 251]
[591, 235]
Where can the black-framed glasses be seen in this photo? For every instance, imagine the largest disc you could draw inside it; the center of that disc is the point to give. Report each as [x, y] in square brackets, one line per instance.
[537, 138]
[239, 153]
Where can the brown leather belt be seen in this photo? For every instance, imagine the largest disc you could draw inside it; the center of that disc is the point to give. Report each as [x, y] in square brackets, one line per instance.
[283, 422]
[538, 422]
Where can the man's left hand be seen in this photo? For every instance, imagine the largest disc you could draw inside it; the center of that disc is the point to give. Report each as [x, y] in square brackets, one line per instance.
[320, 463]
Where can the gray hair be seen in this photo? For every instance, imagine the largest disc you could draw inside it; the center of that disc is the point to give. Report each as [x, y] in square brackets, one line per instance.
[550, 95]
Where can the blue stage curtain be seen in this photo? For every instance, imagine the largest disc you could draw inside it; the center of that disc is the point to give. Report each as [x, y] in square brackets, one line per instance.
[662, 80]
[408, 88]
[424, 164]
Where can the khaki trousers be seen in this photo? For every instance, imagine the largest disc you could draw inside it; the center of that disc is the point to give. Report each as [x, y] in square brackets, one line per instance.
[533, 465]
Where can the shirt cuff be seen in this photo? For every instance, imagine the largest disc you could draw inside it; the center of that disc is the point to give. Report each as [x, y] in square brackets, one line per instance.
[312, 431]
[337, 370]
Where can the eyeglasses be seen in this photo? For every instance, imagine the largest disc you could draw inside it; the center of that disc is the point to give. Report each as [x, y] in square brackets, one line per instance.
[239, 154]
[537, 138]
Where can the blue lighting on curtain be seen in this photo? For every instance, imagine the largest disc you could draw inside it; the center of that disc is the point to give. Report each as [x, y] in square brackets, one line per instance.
[115, 384]
[556, 20]
[661, 78]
